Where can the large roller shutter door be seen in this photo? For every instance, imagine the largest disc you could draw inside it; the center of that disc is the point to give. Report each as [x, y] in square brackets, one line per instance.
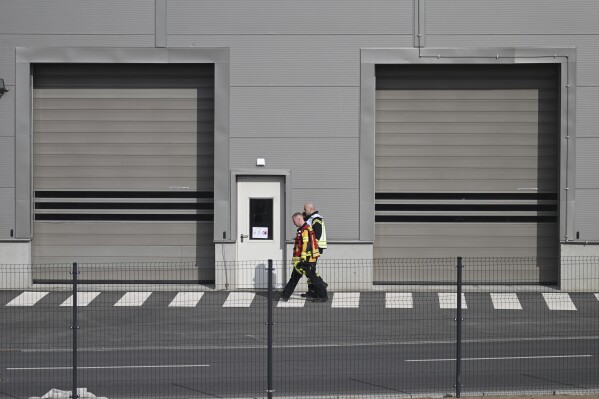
[123, 171]
[467, 165]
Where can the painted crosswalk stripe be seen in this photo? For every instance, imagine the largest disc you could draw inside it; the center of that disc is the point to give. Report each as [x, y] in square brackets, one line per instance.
[186, 299]
[27, 299]
[399, 300]
[83, 299]
[346, 300]
[293, 302]
[558, 301]
[597, 296]
[449, 300]
[133, 299]
[239, 300]
[506, 301]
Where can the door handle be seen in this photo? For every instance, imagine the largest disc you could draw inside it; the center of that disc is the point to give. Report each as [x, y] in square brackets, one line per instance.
[243, 236]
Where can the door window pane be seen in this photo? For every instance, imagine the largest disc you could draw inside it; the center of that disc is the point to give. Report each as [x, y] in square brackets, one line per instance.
[261, 210]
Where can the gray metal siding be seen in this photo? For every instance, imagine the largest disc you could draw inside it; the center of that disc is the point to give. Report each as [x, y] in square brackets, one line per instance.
[337, 206]
[72, 16]
[587, 163]
[277, 46]
[7, 164]
[587, 48]
[8, 43]
[282, 17]
[295, 74]
[293, 60]
[316, 112]
[7, 161]
[552, 17]
[587, 213]
[7, 112]
[7, 211]
[331, 164]
[587, 117]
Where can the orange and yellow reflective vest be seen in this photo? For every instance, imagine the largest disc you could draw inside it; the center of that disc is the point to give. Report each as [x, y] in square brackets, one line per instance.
[305, 247]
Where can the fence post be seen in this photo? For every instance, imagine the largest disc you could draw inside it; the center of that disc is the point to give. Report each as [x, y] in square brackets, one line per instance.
[458, 357]
[74, 327]
[269, 324]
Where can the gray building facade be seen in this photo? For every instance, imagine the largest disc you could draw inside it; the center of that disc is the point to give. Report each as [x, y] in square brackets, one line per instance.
[178, 131]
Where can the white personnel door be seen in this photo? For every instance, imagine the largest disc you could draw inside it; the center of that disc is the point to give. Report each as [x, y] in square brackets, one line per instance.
[260, 229]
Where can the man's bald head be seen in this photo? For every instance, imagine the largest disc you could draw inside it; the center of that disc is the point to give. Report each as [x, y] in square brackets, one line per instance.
[309, 208]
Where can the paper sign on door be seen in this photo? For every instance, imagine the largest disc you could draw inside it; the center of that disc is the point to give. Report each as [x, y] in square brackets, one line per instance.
[260, 233]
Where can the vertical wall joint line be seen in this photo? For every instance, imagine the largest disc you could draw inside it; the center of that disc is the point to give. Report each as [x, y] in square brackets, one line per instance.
[160, 23]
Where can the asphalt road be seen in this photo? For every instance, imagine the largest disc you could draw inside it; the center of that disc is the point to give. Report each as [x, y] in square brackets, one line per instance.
[212, 351]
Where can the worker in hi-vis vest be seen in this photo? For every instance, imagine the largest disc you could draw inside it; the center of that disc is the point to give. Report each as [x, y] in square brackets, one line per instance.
[305, 255]
[315, 220]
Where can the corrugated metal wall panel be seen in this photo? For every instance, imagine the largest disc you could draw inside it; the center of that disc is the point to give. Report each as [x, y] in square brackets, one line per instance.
[8, 43]
[315, 112]
[587, 213]
[7, 111]
[587, 163]
[7, 162]
[587, 48]
[290, 17]
[7, 211]
[335, 156]
[447, 17]
[293, 60]
[458, 165]
[337, 206]
[587, 117]
[73, 16]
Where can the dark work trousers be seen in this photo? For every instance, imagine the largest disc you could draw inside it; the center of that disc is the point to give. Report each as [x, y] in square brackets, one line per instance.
[310, 287]
[308, 270]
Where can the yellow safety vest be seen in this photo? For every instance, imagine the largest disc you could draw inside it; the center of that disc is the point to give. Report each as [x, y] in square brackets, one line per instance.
[316, 218]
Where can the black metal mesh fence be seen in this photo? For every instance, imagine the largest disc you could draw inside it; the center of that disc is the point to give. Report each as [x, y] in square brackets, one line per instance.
[152, 330]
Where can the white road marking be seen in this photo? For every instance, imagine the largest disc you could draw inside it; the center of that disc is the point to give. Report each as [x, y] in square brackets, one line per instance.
[293, 302]
[186, 299]
[133, 299]
[505, 301]
[396, 300]
[558, 301]
[260, 347]
[27, 299]
[239, 300]
[346, 300]
[449, 300]
[597, 296]
[501, 358]
[108, 367]
[83, 299]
